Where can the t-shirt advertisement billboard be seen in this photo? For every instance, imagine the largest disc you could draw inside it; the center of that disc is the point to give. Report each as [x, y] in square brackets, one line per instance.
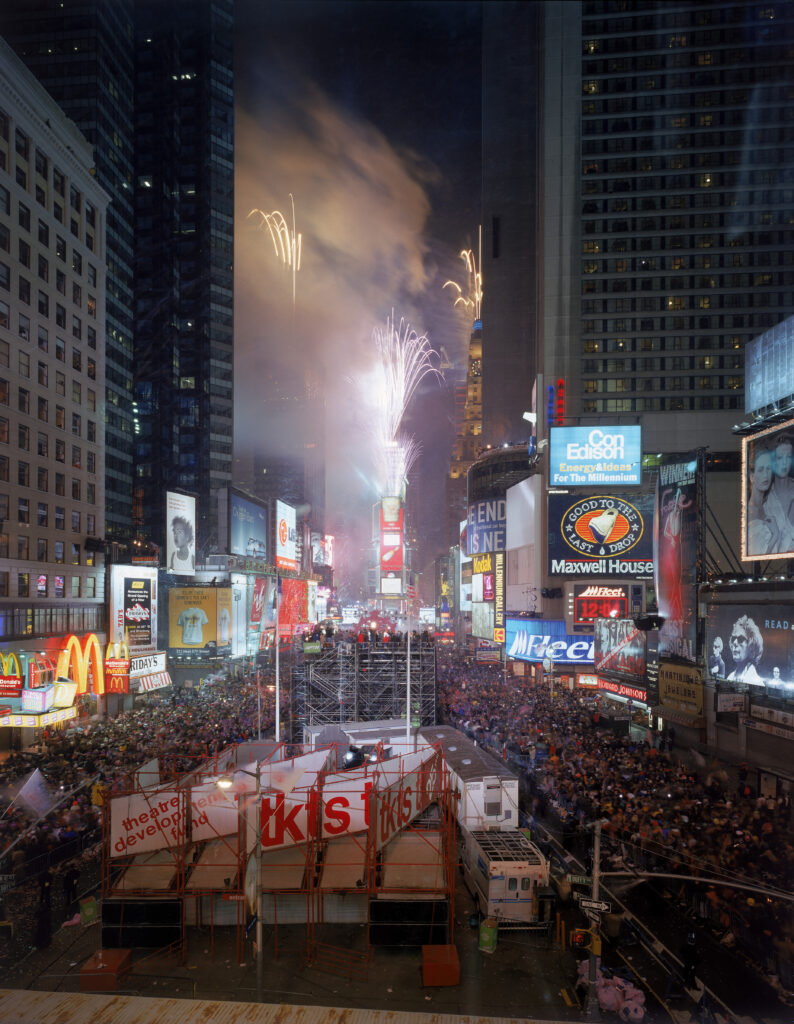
[133, 605]
[247, 527]
[286, 537]
[536, 639]
[601, 535]
[198, 617]
[595, 456]
[180, 517]
[486, 526]
[676, 554]
[767, 495]
[619, 648]
[752, 644]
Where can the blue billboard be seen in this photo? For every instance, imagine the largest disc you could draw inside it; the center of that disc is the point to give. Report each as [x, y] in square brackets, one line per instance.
[593, 456]
[247, 528]
[536, 639]
[486, 527]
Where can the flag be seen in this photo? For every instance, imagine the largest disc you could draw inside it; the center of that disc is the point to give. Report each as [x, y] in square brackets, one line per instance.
[35, 795]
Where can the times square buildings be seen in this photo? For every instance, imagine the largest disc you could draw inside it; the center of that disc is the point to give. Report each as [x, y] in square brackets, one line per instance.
[660, 246]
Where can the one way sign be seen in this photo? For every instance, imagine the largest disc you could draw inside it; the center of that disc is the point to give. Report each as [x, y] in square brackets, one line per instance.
[602, 905]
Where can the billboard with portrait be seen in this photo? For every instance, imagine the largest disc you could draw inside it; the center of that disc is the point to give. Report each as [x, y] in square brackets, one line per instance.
[602, 535]
[180, 517]
[619, 648]
[286, 537]
[247, 527]
[767, 500]
[752, 644]
[676, 554]
[595, 456]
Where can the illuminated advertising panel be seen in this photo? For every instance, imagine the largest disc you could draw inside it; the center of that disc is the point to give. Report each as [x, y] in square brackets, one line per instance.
[392, 585]
[39, 700]
[619, 648]
[293, 604]
[675, 554]
[133, 605]
[192, 618]
[752, 644]
[637, 694]
[536, 639]
[594, 456]
[223, 597]
[286, 537]
[601, 535]
[247, 527]
[767, 501]
[769, 366]
[486, 526]
[482, 619]
[180, 517]
[391, 536]
[593, 601]
[681, 688]
[465, 573]
[499, 592]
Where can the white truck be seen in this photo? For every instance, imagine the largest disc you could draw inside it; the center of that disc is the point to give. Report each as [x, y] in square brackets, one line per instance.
[484, 789]
[508, 877]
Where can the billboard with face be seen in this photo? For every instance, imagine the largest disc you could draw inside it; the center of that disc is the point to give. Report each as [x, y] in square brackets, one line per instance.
[767, 500]
[247, 527]
[180, 516]
[752, 644]
[601, 535]
[286, 537]
[619, 648]
[676, 554]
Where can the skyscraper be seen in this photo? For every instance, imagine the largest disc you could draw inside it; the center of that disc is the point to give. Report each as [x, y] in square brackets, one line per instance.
[83, 55]
[152, 87]
[184, 194]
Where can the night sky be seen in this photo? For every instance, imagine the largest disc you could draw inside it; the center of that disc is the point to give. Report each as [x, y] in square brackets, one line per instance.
[369, 114]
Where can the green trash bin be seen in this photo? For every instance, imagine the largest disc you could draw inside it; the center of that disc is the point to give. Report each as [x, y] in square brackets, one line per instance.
[488, 931]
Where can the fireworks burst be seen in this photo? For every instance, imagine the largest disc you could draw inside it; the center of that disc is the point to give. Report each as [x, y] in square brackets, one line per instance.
[286, 243]
[406, 358]
[471, 298]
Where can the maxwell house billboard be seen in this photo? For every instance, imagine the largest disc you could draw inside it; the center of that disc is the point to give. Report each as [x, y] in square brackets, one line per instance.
[487, 526]
[594, 456]
[601, 535]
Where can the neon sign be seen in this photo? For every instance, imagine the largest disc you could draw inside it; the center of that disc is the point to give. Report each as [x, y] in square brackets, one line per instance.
[86, 660]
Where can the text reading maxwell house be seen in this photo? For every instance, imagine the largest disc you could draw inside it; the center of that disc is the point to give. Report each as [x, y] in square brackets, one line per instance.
[584, 456]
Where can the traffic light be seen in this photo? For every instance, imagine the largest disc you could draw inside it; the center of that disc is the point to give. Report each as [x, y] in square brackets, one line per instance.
[586, 941]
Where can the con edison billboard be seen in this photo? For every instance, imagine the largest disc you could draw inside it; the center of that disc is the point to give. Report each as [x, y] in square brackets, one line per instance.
[594, 456]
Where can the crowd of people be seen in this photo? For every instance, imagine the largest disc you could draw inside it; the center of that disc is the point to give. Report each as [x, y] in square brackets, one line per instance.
[661, 811]
[98, 757]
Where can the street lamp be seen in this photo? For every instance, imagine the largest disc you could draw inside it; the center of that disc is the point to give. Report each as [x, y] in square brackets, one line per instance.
[227, 783]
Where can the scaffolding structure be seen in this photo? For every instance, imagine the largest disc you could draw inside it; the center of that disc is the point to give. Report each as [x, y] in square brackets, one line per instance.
[366, 682]
[373, 846]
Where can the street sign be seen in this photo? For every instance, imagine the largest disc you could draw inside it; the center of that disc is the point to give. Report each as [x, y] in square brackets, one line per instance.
[7, 882]
[602, 905]
[593, 916]
[580, 879]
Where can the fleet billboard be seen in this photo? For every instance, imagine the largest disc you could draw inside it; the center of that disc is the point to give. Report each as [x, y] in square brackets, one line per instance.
[247, 527]
[767, 493]
[593, 601]
[594, 456]
[676, 554]
[286, 537]
[752, 644]
[180, 517]
[602, 535]
[536, 639]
